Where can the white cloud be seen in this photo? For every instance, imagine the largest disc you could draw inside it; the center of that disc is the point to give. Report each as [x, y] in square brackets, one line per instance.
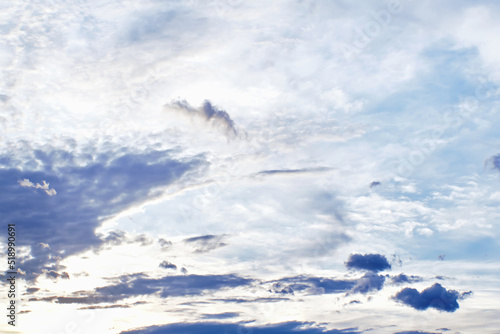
[26, 183]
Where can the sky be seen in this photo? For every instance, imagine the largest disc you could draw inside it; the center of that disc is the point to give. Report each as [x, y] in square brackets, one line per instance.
[238, 167]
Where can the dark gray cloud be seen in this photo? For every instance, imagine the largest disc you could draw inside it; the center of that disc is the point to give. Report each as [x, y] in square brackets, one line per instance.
[374, 184]
[372, 262]
[206, 243]
[310, 285]
[209, 113]
[64, 224]
[168, 265]
[54, 274]
[141, 285]
[433, 297]
[402, 278]
[296, 171]
[369, 282]
[32, 290]
[293, 327]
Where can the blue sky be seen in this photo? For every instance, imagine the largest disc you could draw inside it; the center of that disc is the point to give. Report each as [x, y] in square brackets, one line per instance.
[248, 166]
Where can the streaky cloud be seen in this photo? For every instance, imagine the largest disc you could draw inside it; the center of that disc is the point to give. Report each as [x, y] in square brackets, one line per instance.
[293, 327]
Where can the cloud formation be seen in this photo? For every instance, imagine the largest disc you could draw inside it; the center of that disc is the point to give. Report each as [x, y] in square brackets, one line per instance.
[369, 282]
[372, 262]
[436, 297]
[87, 192]
[293, 327]
[208, 113]
[206, 243]
[140, 284]
[44, 186]
[402, 278]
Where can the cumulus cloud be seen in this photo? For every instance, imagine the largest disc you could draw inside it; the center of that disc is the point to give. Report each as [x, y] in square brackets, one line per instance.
[369, 282]
[372, 262]
[436, 297]
[208, 113]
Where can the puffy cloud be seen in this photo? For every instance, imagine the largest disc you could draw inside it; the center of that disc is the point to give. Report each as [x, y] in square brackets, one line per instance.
[369, 282]
[372, 262]
[44, 186]
[435, 296]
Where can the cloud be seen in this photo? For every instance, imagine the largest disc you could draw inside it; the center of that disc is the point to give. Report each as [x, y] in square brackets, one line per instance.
[293, 327]
[44, 186]
[372, 262]
[416, 332]
[206, 243]
[434, 297]
[225, 315]
[168, 265]
[140, 285]
[88, 192]
[54, 274]
[369, 282]
[296, 171]
[402, 278]
[494, 162]
[310, 285]
[208, 113]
